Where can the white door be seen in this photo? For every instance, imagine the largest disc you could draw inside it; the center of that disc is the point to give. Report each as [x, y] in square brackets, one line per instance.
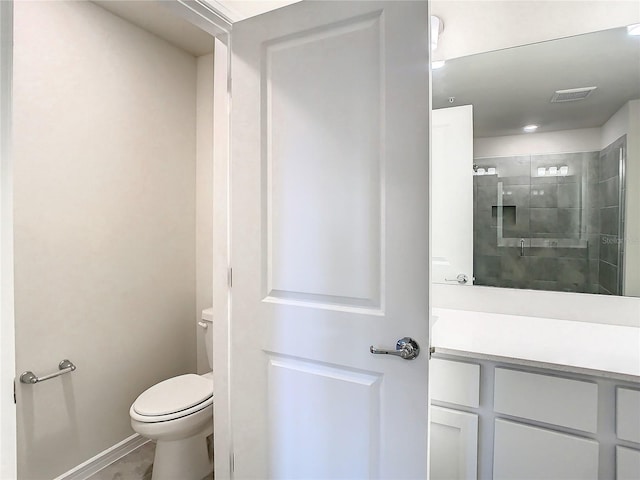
[452, 195]
[330, 240]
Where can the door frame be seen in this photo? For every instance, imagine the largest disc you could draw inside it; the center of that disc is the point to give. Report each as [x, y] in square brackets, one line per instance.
[214, 19]
[8, 465]
[222, 432]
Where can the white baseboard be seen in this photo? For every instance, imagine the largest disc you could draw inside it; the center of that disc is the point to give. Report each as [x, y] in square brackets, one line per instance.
[104, 459]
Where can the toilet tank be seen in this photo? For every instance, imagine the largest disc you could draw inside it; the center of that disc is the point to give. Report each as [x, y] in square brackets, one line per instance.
[207, 319]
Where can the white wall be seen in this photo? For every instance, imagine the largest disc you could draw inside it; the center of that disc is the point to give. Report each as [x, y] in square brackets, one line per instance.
[475, 26]
[204, 197]
[605, 309]
[626, 121]
[564, 141]
[104, 225]
[615, 127]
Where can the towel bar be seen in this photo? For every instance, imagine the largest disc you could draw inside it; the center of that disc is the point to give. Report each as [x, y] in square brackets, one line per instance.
[65, 366]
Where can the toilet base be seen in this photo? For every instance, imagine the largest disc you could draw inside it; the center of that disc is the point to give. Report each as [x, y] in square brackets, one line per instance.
[186, 459]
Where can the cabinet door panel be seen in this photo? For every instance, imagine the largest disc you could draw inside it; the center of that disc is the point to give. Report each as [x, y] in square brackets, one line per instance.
[454, 445]
[525, 452]
[544, 398]
[628, 414]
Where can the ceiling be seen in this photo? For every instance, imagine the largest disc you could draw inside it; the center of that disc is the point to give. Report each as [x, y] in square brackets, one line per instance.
[240, 9]
[477, 26]
[513, 87]
[153, 17]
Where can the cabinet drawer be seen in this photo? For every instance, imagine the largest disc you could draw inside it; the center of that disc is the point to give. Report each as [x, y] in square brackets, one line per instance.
[628, 414]
[558, 401]
[455, 382]
[525, 452]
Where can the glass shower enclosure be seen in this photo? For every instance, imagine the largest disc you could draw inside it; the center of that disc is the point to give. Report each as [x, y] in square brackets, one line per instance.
[551, 222]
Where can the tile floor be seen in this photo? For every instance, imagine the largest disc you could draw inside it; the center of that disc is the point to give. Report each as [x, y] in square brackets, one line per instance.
[137, 465]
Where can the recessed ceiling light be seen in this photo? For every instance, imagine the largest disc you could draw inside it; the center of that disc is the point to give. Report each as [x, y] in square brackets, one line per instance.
[634, 29]
[436, 65]
[530, 128]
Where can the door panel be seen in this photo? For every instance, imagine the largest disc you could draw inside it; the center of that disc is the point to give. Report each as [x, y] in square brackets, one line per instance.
[452, 195]
[330, 240]
[323, 164]
[627, 463]
[348, 398]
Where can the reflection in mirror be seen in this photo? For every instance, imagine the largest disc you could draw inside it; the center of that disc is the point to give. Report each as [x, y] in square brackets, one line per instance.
[550, 208]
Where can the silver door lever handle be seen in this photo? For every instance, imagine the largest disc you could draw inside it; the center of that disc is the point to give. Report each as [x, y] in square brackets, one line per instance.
[406, 348]
[461, 278]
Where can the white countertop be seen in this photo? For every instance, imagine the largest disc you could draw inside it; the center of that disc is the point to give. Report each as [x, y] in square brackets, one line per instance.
[555, 343]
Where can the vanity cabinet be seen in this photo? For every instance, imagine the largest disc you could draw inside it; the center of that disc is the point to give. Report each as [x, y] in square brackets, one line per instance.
[454, 433]
[506, 421]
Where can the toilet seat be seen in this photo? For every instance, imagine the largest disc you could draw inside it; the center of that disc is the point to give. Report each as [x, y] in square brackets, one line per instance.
[173, 398]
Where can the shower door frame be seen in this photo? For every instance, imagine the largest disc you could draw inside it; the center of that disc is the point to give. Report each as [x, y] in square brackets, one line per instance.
[622, 212]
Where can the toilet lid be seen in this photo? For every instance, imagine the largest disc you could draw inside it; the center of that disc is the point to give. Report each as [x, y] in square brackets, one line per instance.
[174, 395]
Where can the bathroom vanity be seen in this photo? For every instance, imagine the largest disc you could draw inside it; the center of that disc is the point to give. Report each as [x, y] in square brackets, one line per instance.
[511, 401]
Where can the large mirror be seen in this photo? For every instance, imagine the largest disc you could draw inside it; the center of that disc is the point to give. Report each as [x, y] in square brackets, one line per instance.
[553, 207]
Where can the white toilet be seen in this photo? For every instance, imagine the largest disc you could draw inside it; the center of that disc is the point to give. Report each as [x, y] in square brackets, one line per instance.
[178, 414]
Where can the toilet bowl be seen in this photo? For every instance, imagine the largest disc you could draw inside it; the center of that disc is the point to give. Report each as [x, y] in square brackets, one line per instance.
[178, 414]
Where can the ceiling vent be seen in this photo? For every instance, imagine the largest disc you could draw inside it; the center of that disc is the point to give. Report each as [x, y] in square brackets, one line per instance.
[572, 94]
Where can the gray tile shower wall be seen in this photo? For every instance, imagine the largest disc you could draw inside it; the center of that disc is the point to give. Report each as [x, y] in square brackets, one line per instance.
[568, 223]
